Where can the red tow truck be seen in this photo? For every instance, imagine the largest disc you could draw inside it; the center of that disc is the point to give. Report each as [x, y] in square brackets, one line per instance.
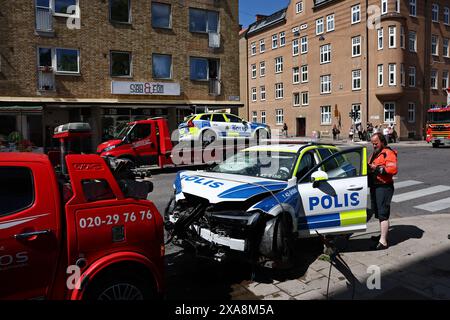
[83, 232]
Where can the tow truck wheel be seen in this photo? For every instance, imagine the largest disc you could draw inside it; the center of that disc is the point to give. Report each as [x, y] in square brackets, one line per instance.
[121, 287]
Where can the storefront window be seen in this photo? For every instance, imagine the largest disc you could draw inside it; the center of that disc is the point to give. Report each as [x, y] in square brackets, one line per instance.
[20, 132]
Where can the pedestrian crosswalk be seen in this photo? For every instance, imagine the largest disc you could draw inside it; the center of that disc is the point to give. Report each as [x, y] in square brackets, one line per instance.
[422, 192]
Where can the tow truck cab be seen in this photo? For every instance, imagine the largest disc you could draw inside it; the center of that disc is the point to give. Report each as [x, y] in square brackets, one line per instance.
[86, 232]
[145, 142]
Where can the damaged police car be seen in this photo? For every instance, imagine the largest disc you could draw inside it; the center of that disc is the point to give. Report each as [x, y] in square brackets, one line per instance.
[261, 199]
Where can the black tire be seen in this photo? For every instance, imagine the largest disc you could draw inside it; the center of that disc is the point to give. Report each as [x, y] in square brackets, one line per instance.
[131, 160]
[284, 242]
[435, 145]
[121, 286]
[208, 137]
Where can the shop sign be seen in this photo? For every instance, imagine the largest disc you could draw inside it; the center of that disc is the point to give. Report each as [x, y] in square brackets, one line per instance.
[145, 88]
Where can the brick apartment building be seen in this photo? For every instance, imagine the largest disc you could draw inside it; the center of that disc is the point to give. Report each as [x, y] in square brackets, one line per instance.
[122, 60]
[313, 62]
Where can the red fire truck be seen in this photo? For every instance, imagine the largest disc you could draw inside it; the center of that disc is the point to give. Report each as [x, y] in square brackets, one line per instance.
[438, 124]
[85, 231]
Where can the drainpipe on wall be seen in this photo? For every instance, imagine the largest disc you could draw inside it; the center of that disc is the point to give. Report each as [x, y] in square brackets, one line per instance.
[367, 63]
[426, 85]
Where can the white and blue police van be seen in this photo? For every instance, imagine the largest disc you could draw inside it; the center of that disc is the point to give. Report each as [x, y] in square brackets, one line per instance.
[260, 200]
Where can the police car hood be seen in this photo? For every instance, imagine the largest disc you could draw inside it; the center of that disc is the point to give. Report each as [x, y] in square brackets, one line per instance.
[220, 187]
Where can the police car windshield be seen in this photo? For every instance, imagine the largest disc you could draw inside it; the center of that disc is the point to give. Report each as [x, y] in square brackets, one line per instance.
[262, 164]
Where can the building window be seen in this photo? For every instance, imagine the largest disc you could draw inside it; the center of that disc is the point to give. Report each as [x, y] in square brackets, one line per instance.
[392, 37]
[446, 16]
[278, 64]
[296, 75]
[279, 118]
[412, 77]
[253, 71]
[434, 45]
[279, 91]
[380, 38]
[325, 84]
[330, 23]
[254, 116]
[357, 109]
[274, 41]
[397, 6]
[296, 99]
[263, 117]
[262, 90]
[253, 48]
[295, 47]
[60, 7]
[412, 41]
[356, 79]
[45, 57]
[356, 46]
[402, 75]
[392, 74]
[434, 79]
[304, 45]
[254, 94]
[325, 115]
[411, 112]
[445, 79]
[412, 8]
[305, 98]
[262, 68]
[402, 37]
[262, 46]
[120, 64]
[304, 70]
[445, 50]
[356, 14]
[389, 112]
[435, 12]
[67, 60]
[299, 7]
[319, 26]
[282, 39]
[203, 20]
[384, 6]
[202, 69]
[161, 15]
[162, 66]
[380, 75]
[325, 54]
[119, 11]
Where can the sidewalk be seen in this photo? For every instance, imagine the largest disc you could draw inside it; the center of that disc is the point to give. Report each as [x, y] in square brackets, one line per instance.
[412, 143]
[415, 266]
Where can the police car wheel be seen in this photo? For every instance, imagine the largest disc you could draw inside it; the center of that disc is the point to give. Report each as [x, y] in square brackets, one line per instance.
[208, 137]
[285, 241]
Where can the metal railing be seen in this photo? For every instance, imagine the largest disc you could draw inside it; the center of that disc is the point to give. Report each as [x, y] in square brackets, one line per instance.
[214, 40]
[46, 79]
[44, 19]
[215, 87]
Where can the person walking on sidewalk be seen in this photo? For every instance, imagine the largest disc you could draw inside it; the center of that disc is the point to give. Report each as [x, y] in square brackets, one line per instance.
[285, 129]
[382, 168]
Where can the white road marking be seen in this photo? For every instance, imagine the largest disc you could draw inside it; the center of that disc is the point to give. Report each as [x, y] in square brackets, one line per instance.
[406, 183]
[435, 205]
[419, 193]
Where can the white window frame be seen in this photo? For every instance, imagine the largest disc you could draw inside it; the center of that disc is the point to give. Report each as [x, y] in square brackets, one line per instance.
[325, 115]
[412, 40]
[325, 53]
[413, 8]
[282, 39]
[356, 45]
[388, 112]
[397, 6]
[320, 26]
[279, 117]
[445, 47]
[279, 64]
[296, 99]
[254, 116]
[299, 7]
[263, 116]
[446, 16]
[262, 91]
[254, 94]
[304, 44]
[296, 75]
[77, 11]
[262, 69]
[274, 41]
[295, 47]
[254, 72]
[356, 79]
[62, 72]
[392, 37]
[434, 78]
[445, 79]
[330, 23]
[262, 46]
[304, 72]
[402, 37]
[356, 107]
[305, 98]
[253, 48]
[434, 45]
[380, 38]
[411, 112]
[384, 6]
[325, 84]
[434, 12]
[412, 77]
[392, 71]
[356, 10]
[402, 75]
[279, 91]
[380, 75]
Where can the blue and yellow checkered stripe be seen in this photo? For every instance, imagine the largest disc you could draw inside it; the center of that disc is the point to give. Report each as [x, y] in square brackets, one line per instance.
[341, 219]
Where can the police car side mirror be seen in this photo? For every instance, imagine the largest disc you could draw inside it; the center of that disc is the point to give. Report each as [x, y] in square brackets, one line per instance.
[317, 177]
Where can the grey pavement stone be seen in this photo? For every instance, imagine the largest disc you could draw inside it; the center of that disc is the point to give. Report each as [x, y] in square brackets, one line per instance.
[278, 296]
[310, 275]
[438, 292]
[319, 265]
[414, 280]
[293, 287]
[311, 295]
[262, 289]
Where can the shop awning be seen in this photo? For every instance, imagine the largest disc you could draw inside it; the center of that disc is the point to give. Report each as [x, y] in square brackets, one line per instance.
[21, 108]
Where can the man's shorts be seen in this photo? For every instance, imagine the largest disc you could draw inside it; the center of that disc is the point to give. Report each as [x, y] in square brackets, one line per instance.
[381, 197]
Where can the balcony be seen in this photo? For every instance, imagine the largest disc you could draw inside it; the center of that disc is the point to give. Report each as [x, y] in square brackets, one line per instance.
[44, 20]
[46, 79]
[214, 40]
[215, 87]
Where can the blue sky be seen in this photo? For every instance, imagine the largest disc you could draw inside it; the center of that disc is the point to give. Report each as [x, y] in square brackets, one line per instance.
[249, 8]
